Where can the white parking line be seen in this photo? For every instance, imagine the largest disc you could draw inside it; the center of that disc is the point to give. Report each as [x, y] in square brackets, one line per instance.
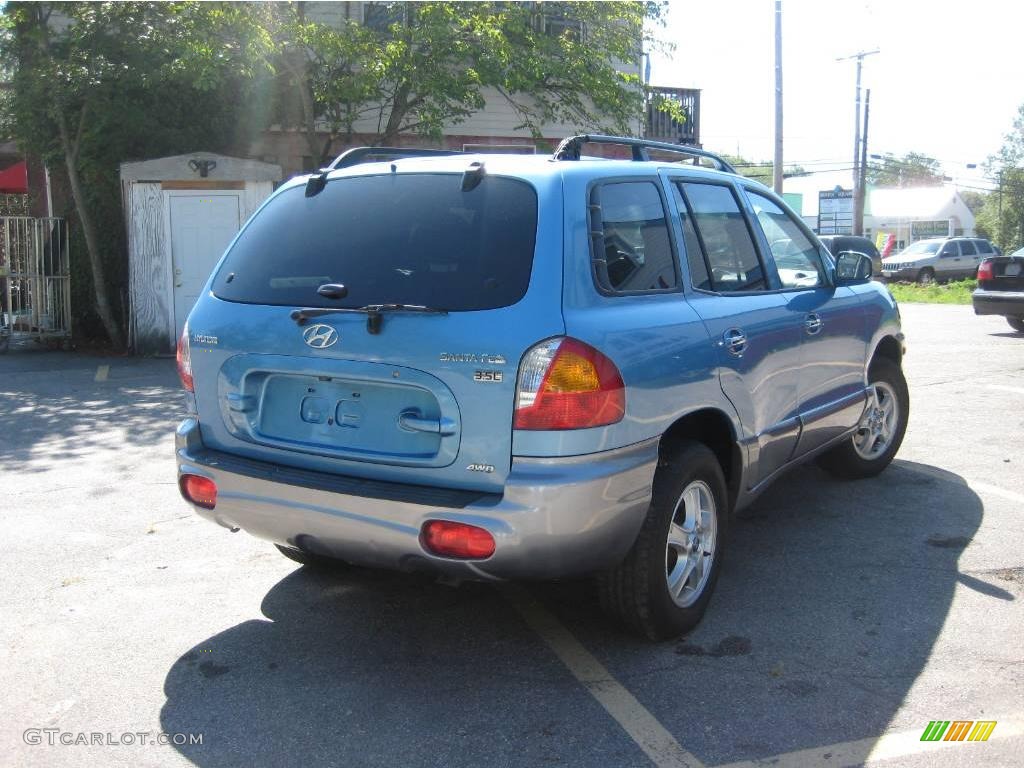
[661, 746]
[101, 373]
[889, 746]
[974, 485]
[650, 735]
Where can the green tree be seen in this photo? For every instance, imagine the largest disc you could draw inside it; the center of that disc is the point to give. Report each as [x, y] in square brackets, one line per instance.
[420, 68]
[974, 199]
[94, 84]
[1003, 213]
[911, 170]
[763, 170]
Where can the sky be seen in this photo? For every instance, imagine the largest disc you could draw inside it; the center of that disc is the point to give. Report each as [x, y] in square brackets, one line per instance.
[947, 82]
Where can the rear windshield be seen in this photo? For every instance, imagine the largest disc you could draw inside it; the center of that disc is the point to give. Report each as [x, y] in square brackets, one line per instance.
[399, 238]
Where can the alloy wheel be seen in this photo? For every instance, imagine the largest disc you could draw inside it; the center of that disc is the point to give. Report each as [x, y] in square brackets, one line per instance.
[690, 549]
[878, 425]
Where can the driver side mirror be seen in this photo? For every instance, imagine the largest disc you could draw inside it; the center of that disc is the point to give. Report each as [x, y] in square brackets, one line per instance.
[852, 268]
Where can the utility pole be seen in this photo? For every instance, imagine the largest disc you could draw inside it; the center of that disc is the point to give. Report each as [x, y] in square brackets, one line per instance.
[777, 170]
[999, 221]
[859, 56]
[861, 187]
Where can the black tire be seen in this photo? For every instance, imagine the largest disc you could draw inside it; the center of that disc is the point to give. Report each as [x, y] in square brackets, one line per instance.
[636, 592]
[844, 460]
[319, 562]
[1017, 323]
[926, 276]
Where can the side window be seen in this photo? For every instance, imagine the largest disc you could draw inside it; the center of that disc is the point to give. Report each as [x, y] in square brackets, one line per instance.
[731, 257]
[949, 250]
[967, 248]
[796, 257]
[631, 241]
[699, 275]
[983, 246]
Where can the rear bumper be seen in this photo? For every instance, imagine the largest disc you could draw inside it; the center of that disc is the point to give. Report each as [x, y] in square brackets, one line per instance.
[556, 517]
[1008, 303]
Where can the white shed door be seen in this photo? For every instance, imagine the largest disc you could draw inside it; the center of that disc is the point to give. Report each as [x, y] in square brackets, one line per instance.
[201, 224]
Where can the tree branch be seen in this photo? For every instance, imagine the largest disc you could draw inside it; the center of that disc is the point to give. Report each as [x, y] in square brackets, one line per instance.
[77, 143]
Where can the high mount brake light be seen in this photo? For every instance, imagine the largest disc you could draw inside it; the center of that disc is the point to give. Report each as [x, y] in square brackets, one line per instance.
[184, 358]
[567, 384]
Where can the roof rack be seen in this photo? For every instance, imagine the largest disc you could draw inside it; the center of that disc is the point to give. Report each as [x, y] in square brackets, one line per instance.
[570, 148]
[359, 155]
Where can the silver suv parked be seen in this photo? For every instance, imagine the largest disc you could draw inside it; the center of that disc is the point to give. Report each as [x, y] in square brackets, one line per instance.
[938, 258]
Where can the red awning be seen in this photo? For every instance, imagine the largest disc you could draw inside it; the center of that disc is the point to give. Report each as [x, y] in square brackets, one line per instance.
[15, 179]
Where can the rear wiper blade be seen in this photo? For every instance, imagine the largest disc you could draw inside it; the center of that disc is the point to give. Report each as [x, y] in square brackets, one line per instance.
[374, 313]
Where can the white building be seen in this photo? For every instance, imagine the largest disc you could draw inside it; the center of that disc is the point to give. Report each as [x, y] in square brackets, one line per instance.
[909, 214]
[917, 212]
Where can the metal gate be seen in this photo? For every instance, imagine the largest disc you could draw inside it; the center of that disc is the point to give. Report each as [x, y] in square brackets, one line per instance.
[35, 280]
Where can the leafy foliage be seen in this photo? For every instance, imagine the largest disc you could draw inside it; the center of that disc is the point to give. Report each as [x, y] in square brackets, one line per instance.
[911, 170]
[421, 68]
[96, 84]
[1003, 214]
[762, 171]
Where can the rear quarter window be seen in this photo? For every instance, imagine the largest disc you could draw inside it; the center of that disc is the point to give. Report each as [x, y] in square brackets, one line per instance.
[396, 238]
[632, 248]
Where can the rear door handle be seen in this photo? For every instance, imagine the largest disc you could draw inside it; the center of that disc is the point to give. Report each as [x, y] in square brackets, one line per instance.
[413, 422]
[735, 341]
[813, 324]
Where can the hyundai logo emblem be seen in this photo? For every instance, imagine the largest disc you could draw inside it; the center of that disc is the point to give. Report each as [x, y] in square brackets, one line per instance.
[320, 336]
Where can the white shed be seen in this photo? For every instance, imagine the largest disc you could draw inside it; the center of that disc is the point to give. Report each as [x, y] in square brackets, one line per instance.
[181, 213]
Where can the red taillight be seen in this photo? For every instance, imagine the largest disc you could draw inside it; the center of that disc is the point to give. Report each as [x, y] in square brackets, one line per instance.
[456, 540]
[199, 490]
[566, 384]
[986, 271]
[184, 357]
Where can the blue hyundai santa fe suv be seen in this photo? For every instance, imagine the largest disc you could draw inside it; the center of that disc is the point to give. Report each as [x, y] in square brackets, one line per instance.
[505, 367]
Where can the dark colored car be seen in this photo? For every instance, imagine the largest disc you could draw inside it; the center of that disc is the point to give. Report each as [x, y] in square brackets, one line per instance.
[837, 244]
[1001, 289]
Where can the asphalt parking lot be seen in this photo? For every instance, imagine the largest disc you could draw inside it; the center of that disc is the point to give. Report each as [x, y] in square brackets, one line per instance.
[849, 614]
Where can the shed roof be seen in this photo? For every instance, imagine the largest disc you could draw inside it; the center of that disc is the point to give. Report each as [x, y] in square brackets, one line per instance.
[187, 167]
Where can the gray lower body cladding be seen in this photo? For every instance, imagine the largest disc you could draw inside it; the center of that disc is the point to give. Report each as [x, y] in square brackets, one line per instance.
[556, 517]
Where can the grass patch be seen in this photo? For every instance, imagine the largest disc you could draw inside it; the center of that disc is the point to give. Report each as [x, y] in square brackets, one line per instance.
[958, 292]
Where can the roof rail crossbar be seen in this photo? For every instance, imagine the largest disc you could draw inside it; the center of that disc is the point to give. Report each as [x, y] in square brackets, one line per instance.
[359, 155]
[570, 149]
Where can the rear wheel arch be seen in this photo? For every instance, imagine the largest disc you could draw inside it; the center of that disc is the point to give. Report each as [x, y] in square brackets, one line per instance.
[714, 429]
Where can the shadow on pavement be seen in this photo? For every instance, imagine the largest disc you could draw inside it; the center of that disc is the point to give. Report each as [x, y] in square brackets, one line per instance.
[53, 410]
[829, 607]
